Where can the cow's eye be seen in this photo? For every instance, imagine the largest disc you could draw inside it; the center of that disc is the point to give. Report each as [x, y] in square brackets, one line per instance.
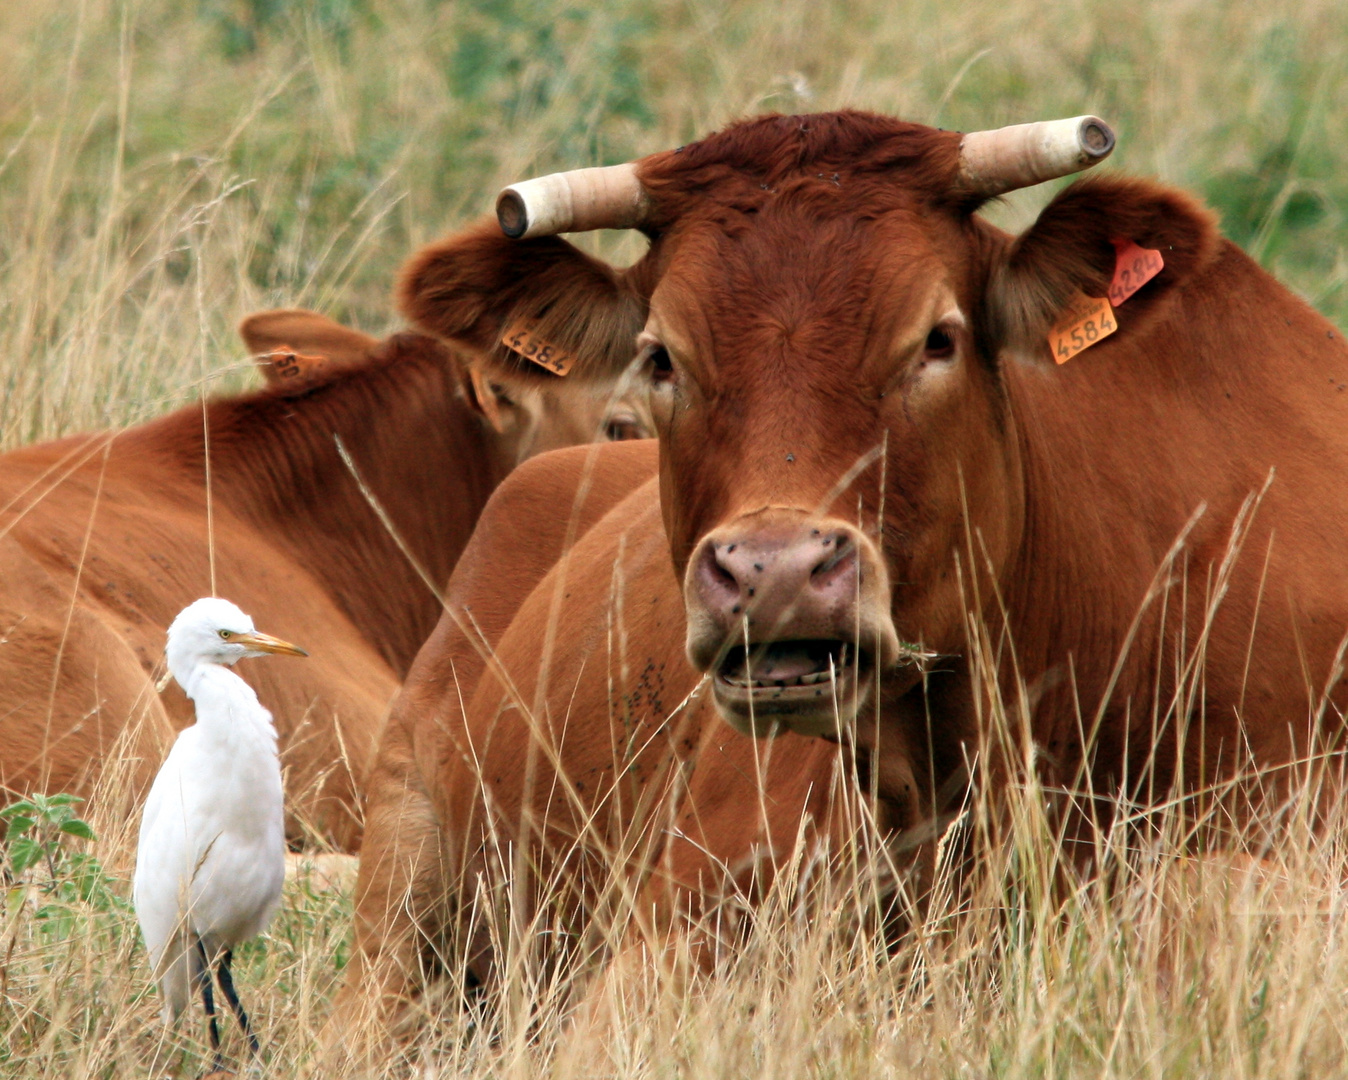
[940, 344]
[622, 427]
[662, 367]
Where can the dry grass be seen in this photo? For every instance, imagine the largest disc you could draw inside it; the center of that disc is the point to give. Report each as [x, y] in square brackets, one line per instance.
[1166, 964]
[166, 168]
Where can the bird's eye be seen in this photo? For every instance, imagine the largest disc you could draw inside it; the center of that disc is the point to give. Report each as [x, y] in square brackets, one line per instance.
[226, 634]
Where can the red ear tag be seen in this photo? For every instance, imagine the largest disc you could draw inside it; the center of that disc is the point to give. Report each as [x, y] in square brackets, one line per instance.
[520, 339]
[1088, 319]
[1133, 267]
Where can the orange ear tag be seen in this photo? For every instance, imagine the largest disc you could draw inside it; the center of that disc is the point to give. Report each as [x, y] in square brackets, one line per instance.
[284, 365]
[521, 339]
[1133, 267]
[1087, 320]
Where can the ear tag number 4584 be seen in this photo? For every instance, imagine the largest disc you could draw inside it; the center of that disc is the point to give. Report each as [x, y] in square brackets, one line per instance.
[1088, 320]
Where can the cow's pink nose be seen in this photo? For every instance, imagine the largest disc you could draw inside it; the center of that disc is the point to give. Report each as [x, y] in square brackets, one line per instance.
[789, 615]
[790, 582]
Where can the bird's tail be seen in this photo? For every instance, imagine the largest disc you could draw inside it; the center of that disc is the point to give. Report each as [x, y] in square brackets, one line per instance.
[176, 969]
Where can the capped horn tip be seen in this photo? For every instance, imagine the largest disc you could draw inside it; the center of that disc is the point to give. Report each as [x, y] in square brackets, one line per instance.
[1096, 138]
[607, 197]
[512, 213]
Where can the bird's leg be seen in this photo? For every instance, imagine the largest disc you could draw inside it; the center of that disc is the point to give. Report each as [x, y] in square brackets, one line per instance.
[227, 988]
[208, 999]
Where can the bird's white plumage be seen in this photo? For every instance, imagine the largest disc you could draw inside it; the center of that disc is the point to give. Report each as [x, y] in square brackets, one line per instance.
[211, 859]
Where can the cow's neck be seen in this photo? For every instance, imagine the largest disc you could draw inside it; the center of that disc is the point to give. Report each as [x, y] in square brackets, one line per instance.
[1230, 380]
[420, 452]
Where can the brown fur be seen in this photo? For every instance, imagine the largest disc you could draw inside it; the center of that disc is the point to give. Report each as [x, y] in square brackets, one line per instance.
[105, 539]
[401, 893]
[796, 267]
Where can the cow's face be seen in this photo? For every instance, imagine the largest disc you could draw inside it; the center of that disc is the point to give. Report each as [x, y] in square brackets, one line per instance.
[823, 323]
[525, 419]
[825, 421]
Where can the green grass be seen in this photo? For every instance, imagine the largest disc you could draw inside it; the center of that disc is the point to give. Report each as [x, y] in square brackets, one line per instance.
[168, 167]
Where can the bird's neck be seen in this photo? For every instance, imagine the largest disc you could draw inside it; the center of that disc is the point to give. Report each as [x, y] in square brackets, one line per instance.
[212, 686]
[185, 670]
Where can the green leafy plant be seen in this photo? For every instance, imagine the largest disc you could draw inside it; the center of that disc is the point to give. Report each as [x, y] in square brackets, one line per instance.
[35, 836]
[34, 827]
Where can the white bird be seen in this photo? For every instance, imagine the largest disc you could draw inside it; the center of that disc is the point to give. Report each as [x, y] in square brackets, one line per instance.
[211, 859]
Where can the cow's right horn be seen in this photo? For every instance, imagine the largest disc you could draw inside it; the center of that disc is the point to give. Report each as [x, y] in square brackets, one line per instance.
[577, 201]
[1004, 159]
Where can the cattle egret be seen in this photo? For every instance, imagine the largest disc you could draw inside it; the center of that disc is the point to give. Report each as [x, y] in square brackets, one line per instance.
[211, 858]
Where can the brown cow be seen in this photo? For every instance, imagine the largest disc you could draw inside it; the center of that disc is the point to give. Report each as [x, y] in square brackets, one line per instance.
[864, 441]
[105, 537]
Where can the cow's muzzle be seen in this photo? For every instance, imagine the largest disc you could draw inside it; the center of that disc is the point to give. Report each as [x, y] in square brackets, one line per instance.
[790, 616]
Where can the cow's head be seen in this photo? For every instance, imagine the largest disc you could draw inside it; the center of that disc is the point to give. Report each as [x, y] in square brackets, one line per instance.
[823, 321]
[297, 350]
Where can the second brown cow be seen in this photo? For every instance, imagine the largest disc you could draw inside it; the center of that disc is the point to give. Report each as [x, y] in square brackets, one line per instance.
[104, 537]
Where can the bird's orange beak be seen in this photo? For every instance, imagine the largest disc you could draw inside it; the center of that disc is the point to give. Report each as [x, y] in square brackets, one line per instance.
[267, 644]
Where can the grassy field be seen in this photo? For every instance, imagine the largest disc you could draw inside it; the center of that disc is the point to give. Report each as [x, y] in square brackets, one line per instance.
[168, 167]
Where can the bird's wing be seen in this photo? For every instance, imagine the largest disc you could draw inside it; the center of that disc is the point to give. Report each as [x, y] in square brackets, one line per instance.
[166, 859]
[163, 858]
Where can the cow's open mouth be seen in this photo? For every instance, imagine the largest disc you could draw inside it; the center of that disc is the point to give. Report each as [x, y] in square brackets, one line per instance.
[807, 686]
[782, 664]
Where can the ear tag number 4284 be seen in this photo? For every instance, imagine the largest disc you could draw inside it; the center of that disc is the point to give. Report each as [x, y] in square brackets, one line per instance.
[1133, 267]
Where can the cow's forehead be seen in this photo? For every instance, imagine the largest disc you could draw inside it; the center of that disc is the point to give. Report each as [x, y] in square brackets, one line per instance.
[786, 273]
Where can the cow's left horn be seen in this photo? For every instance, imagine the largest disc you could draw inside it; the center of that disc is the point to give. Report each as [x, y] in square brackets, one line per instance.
[606, 198]
[1004, 159]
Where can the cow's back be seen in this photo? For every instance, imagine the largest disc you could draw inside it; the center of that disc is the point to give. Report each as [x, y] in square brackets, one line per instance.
[101, 558]
[539, 511]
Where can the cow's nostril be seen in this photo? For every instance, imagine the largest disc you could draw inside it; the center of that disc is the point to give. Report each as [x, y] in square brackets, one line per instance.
[839, 558]
[718, 575]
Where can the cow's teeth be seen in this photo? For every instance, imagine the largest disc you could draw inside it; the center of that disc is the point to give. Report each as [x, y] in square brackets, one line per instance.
[765, 681]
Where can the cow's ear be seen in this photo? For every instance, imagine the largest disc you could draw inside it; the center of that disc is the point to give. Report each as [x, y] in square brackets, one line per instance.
[478, 288]
[1073, 247]
[305, 332]
[487, 398]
